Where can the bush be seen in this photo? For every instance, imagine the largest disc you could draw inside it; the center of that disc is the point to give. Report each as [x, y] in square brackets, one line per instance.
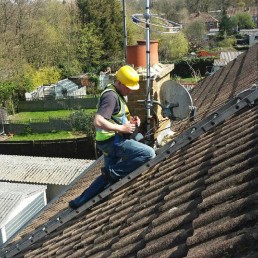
[82, 122]
[227, 42]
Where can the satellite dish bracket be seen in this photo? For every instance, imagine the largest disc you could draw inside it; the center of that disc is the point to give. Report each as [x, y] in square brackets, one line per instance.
[167, 111]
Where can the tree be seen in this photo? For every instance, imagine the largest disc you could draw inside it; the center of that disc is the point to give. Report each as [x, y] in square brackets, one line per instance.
[172, 46]
[6, 93]
[195, 33]
[37, 34]
[243, 21]
[90, 47]
[225, 25]
[107, 16]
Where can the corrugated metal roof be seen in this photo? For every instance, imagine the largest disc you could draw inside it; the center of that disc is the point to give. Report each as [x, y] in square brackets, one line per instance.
[43, 170]
[226, 57]
[12, 194]
[229, 55]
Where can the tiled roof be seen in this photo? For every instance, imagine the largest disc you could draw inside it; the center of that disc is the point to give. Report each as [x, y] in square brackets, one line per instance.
[200, 202]
[43, 170]
[12, 194]
[203, 17]
[253, 11]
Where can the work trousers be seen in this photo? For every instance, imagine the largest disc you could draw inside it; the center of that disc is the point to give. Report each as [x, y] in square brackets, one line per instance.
[121, 157]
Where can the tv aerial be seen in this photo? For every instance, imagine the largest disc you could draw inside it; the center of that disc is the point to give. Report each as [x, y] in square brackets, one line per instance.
[176, 102]
[160, 24]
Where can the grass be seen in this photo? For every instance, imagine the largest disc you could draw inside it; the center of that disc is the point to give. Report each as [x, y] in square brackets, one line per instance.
[189, 80]
[43, 115]
[46, 136]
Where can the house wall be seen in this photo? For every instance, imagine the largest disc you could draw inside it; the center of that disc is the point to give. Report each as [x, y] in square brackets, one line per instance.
[253, 39]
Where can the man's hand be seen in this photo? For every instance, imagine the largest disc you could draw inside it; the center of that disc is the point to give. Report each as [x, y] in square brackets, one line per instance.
[135, 120]
[128, 128]
[104, 124]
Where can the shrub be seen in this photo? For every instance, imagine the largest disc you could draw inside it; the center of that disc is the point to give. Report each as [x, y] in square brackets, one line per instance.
[82, 122]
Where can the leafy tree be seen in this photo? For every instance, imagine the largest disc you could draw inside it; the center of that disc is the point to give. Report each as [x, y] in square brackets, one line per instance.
[107, 16]
[90, 47]
[6, 93]
[243, 21]
[197, 5]
[195, 33]
[39, 77]
[174, 10]
[172, 46]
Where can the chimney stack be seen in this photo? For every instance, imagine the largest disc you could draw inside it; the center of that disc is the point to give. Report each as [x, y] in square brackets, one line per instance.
[136, 54]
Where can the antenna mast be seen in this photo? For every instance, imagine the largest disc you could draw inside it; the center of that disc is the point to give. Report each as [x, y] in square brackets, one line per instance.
[125, 32]
[166, 27]
[148, 89]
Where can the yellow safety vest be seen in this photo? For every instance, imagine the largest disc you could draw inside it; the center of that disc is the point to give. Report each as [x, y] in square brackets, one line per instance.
[119, 118]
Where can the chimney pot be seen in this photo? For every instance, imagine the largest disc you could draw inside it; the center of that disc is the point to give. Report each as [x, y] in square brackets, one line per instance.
[136, 54]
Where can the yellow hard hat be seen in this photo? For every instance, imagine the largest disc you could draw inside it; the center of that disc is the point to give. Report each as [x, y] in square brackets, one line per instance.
[129, 77]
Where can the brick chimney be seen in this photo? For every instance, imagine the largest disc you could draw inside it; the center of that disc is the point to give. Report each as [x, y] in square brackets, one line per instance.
[159, 73]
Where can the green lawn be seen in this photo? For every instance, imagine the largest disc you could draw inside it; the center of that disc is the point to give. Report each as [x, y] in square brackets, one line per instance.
[26, 116]
[46, 136]
[189, 80]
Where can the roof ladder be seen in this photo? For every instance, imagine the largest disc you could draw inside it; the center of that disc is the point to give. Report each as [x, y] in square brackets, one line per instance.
[246, 98]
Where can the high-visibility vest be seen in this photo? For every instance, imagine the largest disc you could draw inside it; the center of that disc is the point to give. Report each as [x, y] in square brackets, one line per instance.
[120, 118]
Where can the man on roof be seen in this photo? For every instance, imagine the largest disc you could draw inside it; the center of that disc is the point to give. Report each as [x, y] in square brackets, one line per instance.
[113, 123]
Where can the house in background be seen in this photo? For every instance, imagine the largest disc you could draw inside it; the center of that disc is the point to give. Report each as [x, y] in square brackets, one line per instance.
[253, 11]
[54, 173]
[19, 203]
[209, 21]
[251, 34]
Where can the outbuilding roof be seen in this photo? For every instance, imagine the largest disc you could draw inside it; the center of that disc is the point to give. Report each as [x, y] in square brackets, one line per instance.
[226, 57]
[198, 202]
[42, 170]
[12, 194]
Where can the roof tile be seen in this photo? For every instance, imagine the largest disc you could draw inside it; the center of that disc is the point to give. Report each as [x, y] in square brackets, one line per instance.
[200, 202]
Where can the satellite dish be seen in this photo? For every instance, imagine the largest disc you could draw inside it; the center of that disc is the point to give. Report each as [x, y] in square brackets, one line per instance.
[176, 101]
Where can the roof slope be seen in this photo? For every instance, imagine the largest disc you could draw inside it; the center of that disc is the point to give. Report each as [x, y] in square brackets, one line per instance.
[202, 17]
[12, 194]
[253, 10]
[199, 202]
[43, 170]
